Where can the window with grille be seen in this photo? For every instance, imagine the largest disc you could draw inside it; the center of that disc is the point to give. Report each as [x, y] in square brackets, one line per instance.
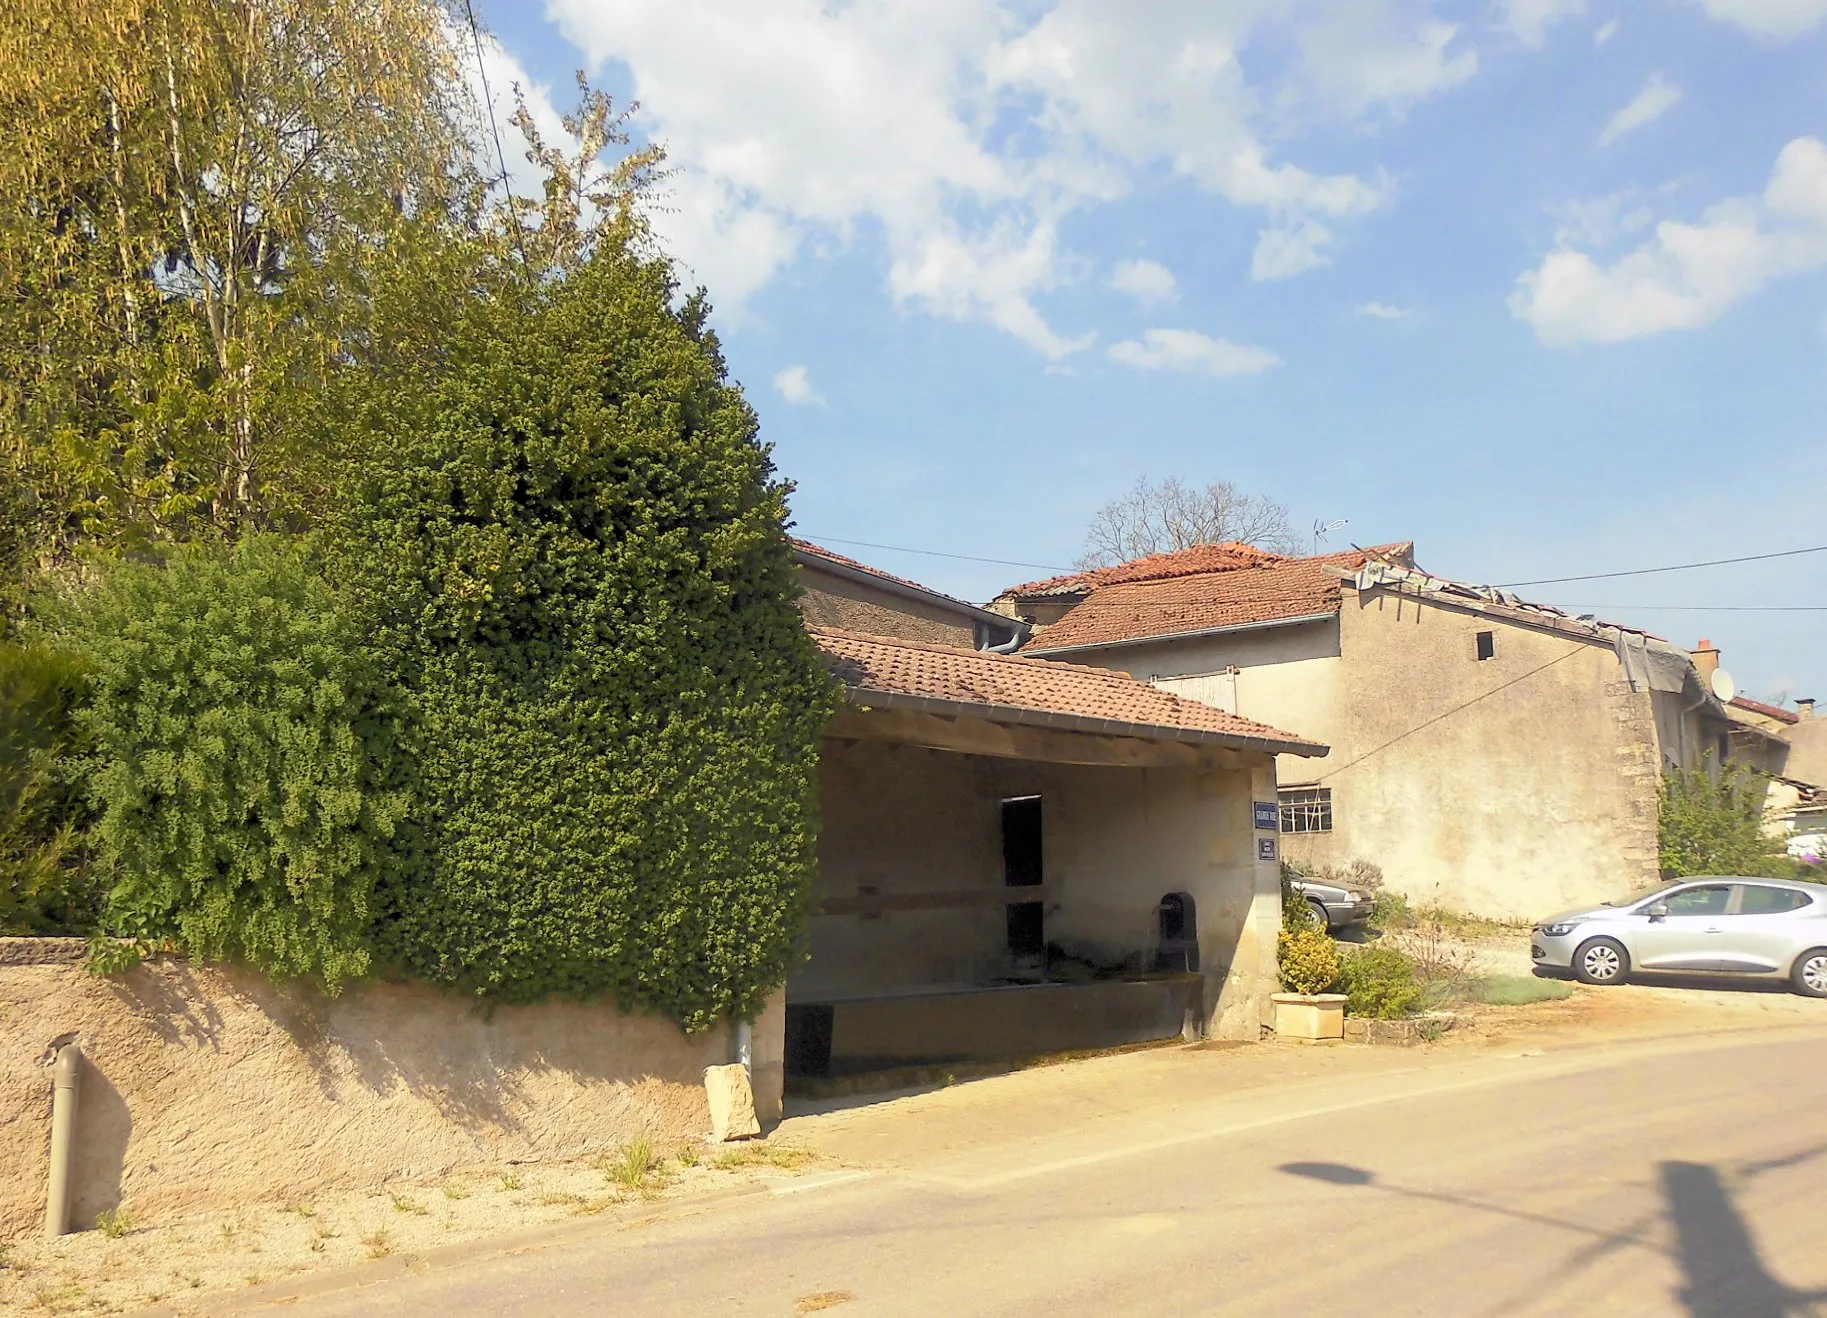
[1306, 810]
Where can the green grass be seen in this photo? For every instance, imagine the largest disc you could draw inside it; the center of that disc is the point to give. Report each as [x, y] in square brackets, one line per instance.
[1519, 990]
[632, 1166]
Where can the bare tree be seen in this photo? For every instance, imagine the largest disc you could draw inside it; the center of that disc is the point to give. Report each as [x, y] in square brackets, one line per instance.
[1155, 518]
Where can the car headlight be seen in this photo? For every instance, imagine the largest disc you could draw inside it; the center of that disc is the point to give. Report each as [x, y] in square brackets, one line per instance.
[1556, 930]
[1356, 896]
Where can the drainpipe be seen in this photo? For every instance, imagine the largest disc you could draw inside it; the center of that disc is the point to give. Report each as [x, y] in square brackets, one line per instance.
[66, 1074]
[745, 1048]
[1010, 646]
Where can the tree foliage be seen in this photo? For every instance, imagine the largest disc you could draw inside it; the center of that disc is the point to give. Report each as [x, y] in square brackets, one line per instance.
[1156, 518]
[567, 545]
[192, 198]
[244, 761]
[44, 886]
[1713, 823]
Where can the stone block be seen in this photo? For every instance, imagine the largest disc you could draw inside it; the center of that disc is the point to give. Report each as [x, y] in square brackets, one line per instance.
[732, 1103]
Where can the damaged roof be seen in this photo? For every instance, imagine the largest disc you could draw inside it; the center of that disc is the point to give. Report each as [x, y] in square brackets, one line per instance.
[1008, 688]
[1155, 567]
[1275, 589]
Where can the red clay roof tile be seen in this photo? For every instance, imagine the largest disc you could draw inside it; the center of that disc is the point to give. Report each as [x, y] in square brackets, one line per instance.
[1155, 567]
[1176, 605]
[936, 672]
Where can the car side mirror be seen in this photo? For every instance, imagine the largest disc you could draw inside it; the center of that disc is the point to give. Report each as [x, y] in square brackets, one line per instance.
[1657, 912]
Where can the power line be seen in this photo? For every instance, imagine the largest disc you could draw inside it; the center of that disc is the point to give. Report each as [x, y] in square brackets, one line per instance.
[1708, 608]
[934, 553]
[1445, 714]
[1673, 567]
[488, 102]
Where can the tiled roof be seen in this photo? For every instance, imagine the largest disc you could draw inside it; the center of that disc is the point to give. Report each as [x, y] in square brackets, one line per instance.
[1038, 691]
[1155, 567]
[1277, 589]
[1768, 711]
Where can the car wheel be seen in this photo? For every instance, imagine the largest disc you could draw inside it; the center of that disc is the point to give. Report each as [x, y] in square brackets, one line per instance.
[1323, 920]
[1810, 975]
[1601, 961]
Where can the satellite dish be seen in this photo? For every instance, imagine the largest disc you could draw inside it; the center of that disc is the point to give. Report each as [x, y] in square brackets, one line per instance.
[1723, 685]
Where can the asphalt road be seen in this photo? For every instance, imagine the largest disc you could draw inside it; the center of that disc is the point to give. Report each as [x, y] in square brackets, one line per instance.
[1687, 1178]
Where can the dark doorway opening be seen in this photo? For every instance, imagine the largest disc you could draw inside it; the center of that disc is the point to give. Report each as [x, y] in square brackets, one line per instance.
[1177, 945]
[1023, 867]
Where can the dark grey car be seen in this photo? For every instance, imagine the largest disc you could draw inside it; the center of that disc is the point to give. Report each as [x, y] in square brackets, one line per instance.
[1732, 924]
[1334, 907]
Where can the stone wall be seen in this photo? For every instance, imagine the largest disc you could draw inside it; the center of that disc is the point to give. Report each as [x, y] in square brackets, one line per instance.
[207, 1088]
[828, 600]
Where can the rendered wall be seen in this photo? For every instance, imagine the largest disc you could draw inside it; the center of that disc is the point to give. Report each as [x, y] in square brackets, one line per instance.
[903, 819]
[1511, 787]
[206, 1088]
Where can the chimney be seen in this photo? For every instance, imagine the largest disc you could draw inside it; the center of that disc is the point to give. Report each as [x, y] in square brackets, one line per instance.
[1706, 658]
[1804, 706]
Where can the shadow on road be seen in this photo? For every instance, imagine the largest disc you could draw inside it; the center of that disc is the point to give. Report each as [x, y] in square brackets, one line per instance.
[1723, 1276]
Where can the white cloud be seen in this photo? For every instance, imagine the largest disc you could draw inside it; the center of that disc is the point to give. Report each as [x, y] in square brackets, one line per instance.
[1686, 274]
[962, 134]
[1189, 350]
[1657, 98]
[1384, 311]
[1781, 19]
[1531, 19]
[1144, 280]
[1291, 250]
[1605, 33]
[794, 385]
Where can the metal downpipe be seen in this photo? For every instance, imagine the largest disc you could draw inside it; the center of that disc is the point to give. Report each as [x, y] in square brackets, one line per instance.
[66, 1078]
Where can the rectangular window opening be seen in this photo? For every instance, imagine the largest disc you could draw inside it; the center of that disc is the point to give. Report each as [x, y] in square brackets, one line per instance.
[1306, 809]
[1487, 645]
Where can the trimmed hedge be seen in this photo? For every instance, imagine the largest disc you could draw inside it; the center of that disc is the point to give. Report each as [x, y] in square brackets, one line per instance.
[567, 543]
[45, 886]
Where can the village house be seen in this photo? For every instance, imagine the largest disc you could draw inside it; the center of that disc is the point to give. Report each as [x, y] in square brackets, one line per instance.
[1491, 755]
[1019, 856]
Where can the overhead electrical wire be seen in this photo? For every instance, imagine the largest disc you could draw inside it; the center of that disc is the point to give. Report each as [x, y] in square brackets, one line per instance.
[488, 100]
[1673, 567]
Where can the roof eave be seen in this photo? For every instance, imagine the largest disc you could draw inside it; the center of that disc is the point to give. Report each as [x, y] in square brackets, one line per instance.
[1088, 723]
[863, 576]
[1039, 651]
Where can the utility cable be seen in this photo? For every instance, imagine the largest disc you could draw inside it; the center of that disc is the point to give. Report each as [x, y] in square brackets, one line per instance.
[488, 102]
[1446, 714]
[1673, 567]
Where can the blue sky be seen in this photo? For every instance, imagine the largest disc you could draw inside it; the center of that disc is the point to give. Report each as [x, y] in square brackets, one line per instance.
[1539, 284]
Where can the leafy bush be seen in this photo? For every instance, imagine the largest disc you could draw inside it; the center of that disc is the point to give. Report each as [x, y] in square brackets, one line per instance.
[568, 544]
[45, 887]
[1380, 983]
[242, 758]
[1390, 910]
[1713, 824]
[1296, 914]
[1308, 960]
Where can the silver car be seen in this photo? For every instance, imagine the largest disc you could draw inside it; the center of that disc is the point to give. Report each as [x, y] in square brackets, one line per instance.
[1740, 926]
[1333, 906]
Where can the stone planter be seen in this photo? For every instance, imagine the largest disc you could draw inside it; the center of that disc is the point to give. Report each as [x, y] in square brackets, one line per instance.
[1310, 1016]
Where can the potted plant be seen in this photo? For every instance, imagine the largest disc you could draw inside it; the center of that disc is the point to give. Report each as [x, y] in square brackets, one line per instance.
[1309, 963]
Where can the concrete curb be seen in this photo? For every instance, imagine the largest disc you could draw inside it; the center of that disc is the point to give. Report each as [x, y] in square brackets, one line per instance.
[482, 1248]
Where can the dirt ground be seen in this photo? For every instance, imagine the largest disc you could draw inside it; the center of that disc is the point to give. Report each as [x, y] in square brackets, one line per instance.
[182, 1263]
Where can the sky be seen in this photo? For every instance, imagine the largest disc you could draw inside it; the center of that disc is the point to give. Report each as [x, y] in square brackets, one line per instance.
[1540, 285]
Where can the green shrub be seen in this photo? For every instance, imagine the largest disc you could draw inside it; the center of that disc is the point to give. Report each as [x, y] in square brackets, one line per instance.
[1308, 961]
[1296, 914]
[568, 542]
[1380, 983]
[45, 885]
[241, 762]
[1390, 910]
[1712, 823]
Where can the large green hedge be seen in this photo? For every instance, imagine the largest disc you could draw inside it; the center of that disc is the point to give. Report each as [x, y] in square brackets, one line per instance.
[45, 888]
[241, 761]
[567, 543]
